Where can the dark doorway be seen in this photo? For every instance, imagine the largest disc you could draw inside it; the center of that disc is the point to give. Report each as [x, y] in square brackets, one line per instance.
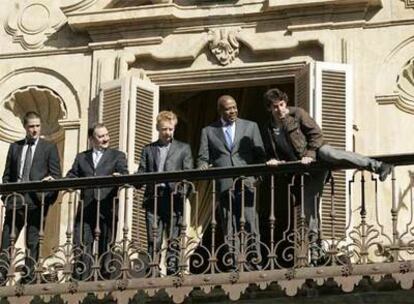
[197, 109]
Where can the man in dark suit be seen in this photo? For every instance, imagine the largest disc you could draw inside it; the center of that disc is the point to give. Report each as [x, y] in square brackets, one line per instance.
[165, 154]
[98, 161]
[234, 142]
[29, 159]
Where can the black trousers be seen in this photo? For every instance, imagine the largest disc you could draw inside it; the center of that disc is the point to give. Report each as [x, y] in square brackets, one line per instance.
[230, 215]
[166, 220]
[32, 239]
[85, 234]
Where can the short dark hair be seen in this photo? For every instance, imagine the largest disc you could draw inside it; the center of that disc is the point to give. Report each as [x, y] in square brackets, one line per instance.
[91, 130]
[222, 99]
[274, 95]
[30, 115]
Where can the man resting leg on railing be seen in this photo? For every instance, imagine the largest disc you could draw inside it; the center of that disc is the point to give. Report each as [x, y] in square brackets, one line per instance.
[292, 135]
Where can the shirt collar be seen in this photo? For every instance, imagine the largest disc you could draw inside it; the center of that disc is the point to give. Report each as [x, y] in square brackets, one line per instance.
[32, 140]
[161, 144]
[98, 150]
[226, 123]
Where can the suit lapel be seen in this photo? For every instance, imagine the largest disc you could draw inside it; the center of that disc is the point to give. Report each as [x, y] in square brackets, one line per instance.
[220, 134]
[89, 158]
[105, 156]
[171, 150]
[155, 157]
[19, 155]
[38, 151]
[239, 132]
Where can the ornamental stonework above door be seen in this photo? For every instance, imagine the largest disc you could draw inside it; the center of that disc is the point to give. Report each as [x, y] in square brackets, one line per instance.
[32, 22]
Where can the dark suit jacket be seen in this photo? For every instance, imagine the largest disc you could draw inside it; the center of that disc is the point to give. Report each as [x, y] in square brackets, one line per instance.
[45, 162]
[247, 148]
[112, 161]
[178, 158]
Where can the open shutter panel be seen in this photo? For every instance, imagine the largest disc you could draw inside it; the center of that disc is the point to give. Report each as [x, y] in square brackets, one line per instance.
[304, 88]
[112, 111]
[144, 107]
[333, 112]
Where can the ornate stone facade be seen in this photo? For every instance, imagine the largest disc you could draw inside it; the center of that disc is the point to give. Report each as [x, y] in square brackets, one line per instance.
[56, 56]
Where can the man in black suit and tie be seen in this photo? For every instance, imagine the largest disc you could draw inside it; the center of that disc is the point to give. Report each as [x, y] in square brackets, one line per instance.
[165, 154]
[98, 161]
[234, 142]
[29, 159]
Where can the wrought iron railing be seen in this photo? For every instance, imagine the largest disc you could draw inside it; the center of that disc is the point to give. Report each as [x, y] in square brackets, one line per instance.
[376, 240]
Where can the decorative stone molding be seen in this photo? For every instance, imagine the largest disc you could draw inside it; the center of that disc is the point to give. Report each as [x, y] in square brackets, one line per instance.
[224, 44]
[161, 1]
[409, 3]
[75, 5]
[31, 22]
[41, 100]
[403, 96]
[405, 83]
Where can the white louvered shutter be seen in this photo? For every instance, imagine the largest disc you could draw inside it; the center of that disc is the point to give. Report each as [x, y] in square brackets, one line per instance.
[128, 107]
[113, 111]
[304, 88]
[333, 112]
[143, 110]
[324, 90]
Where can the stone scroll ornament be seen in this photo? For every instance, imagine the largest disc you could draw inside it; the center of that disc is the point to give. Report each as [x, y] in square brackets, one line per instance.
[224, 45]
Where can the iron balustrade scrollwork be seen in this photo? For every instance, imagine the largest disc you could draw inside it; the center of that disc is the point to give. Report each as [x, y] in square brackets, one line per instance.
[193, 250]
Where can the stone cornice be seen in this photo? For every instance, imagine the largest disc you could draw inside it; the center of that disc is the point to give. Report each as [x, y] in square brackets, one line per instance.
[305, 4]
[45, 53]
[171, 14]
[208, 78]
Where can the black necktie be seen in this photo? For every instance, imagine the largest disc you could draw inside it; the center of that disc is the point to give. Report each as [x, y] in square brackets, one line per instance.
[27, 161]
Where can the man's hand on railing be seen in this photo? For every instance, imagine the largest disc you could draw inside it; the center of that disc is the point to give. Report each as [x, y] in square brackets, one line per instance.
[274, 162]
[48, 178]
[116, 174]
[204, 166]
[306, 160]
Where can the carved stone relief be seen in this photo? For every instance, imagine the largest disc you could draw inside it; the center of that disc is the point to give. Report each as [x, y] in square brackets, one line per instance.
[224, 44]
[73, 5]
[409, 3]
[43, 101]
[31, 22]
[401, 94]
[405, 84]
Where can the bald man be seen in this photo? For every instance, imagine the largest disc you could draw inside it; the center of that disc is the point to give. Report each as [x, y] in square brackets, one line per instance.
[234, 142]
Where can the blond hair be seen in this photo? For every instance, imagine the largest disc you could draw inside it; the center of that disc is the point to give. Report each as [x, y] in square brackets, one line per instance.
[166, 115]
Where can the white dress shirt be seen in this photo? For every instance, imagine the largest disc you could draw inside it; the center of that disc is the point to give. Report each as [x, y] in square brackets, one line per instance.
[23, 156]
[229, 125]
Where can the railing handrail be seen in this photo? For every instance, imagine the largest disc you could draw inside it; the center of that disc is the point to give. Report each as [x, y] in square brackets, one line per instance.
[193, 175]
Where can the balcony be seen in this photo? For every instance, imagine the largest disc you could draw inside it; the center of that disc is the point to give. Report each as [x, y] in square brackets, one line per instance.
[376, 239]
